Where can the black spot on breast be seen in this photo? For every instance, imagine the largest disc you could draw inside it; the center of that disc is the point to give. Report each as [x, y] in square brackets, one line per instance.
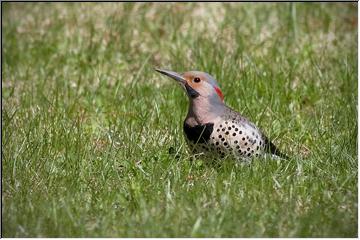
[227, 133]
[249, 154]
[199, 133]
[229, 128]
[234, 134]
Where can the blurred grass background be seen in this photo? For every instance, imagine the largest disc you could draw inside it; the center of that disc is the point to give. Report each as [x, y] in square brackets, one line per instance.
[87, 123]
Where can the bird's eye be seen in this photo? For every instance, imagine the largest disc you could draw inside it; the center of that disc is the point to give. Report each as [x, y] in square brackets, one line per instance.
[196, 79]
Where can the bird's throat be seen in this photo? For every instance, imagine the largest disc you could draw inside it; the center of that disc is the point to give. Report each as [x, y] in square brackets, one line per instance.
[202, 111]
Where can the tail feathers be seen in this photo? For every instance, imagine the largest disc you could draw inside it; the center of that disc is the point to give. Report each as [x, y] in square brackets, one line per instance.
[271, 148]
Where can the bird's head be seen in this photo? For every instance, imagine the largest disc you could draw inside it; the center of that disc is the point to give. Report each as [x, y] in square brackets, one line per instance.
[197, 85]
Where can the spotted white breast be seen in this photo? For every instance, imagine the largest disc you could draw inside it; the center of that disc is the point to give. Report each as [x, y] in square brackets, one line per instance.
[230, 137]
[237, 138]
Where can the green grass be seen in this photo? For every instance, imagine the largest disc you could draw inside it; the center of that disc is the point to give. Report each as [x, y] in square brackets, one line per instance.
[87, 123]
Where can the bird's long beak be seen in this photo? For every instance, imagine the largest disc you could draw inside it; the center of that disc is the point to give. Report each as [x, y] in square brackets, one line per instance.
[174, 75]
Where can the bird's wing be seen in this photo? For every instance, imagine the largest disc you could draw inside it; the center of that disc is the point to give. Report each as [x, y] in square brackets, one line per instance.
[269, 146]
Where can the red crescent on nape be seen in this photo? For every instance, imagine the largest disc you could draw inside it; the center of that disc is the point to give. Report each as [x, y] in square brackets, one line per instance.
[218, 91]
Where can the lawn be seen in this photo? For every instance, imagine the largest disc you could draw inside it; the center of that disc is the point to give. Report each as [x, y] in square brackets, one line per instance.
[87, 123]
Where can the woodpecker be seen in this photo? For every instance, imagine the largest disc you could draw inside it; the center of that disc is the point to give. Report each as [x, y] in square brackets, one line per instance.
[214, 129]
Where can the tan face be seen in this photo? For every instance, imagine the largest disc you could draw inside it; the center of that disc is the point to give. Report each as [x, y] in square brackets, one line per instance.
[202, 83]
[196, 84]
[197, 81]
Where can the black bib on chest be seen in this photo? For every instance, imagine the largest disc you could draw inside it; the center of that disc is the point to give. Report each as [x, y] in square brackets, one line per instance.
[199, 133]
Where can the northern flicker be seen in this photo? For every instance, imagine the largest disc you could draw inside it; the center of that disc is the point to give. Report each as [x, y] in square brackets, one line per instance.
[211, 127]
